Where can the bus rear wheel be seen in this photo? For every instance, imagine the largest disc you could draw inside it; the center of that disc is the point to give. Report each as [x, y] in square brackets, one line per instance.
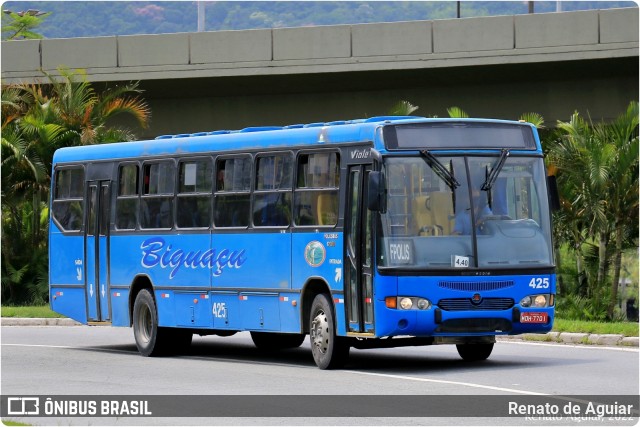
[329, 350]
[474, 352]
[151, 340]
[274, 341]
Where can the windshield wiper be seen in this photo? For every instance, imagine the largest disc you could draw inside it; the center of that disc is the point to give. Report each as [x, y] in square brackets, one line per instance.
[440, 170]
[495, 170]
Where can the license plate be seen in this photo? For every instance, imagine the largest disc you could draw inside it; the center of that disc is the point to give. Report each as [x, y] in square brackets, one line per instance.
[534, 317]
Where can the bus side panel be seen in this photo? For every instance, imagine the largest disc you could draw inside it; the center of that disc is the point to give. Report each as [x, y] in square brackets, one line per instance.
[290, 312]
[66, 275]
[120, 307]
[171, 262]
[252, 261]
[260, 311]
[317, 255]
[224, 307]
[193, 309]
[69, 302]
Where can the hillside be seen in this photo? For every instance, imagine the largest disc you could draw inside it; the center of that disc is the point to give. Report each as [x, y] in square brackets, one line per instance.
[107, 18]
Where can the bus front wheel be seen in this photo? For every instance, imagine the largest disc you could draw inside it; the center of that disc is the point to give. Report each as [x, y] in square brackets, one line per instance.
[329, 350]
[151, 340]
[474, 352]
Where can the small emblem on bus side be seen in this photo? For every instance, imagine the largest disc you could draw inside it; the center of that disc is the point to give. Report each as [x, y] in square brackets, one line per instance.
[315, 253]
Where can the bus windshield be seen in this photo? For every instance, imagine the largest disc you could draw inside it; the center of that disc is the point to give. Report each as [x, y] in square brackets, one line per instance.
[483, 212]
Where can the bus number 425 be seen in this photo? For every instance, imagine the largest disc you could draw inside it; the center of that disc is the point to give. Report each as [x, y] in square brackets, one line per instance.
[539, 283]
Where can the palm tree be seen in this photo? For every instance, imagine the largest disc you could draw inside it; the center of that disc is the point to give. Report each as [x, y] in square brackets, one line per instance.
[403, 108]
[599, 175]
[622, 192]
[36, 121]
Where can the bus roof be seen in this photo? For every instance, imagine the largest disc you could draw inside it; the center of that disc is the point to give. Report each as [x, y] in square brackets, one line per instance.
[321, 133]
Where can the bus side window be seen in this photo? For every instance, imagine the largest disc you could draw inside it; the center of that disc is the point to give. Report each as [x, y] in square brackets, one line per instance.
[316, 195]
[272, 195]
[68, 202]
[233, 185]
[157, 195]
[127, 198]
[194, 193]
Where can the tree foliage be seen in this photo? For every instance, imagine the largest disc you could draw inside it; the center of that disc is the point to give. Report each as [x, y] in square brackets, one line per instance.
[36, 121]
[597, 167]
[20, 25]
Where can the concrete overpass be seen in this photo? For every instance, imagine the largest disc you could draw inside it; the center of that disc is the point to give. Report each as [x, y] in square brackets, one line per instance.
[497, 66]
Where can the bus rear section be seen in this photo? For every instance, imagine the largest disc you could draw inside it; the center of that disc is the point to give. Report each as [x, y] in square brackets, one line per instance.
[384, 232]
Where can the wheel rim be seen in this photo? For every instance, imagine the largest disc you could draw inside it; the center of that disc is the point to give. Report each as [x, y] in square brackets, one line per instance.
[145, 324]
[320, 335]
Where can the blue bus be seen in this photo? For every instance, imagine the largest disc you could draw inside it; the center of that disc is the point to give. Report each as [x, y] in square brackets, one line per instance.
[368, 233]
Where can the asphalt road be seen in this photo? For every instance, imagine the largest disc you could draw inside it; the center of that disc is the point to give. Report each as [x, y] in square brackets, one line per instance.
[87, 360]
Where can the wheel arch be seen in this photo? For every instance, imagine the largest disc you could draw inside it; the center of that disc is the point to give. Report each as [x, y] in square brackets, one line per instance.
[141, 281]
[314, 286]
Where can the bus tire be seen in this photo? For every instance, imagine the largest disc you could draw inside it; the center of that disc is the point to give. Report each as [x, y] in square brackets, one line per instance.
[474, 352]
[274, 341]
[329, 350]
[151, 340]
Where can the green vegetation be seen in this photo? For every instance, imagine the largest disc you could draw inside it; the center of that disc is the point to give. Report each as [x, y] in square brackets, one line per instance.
[107, 18]
[31, 312]
[20, 25]
[596, 165]
[628, 329]
[37, 120]
[13, 423]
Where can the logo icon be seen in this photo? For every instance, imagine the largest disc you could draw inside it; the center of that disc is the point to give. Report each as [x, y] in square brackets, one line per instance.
[476, 299]
[315, 253]
[23, 406]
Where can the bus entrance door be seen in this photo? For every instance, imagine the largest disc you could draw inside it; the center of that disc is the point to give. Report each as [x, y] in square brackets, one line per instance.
[358, 251]
[96, 246]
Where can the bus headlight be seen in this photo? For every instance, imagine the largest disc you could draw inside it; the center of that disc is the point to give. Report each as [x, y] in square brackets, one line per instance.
[423, 304]
[526, 301]
[408, 303]
[537, 301]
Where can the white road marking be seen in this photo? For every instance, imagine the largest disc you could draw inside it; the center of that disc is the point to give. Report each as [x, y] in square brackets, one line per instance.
[39, 345]
[68, 347]
[572, 346]
[430, 380]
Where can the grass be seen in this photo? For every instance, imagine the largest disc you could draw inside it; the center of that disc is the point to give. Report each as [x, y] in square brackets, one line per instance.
[628, 329]
[37, 311]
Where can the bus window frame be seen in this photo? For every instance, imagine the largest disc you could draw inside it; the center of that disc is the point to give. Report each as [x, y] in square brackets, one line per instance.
[216, 192]
[117, 196]
[254, 191]
[83, 199]
[210, 194]
[144, 196]
[296, 189]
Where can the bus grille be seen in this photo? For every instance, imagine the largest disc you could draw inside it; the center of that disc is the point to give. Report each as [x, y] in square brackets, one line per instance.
[474, 325]
[476, 286]
[463, 304]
